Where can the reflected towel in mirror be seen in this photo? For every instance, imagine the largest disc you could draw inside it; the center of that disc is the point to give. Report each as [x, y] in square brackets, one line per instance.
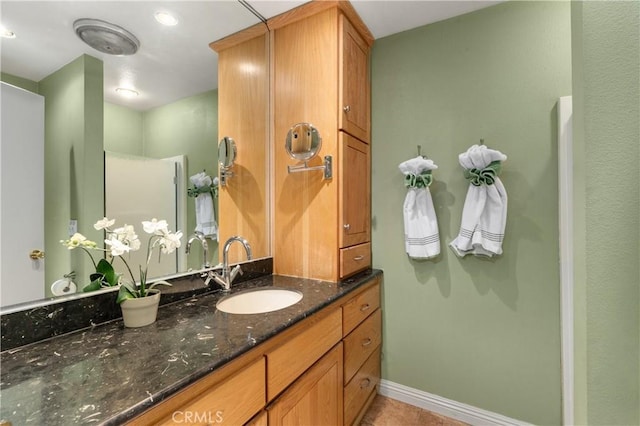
[205, 216]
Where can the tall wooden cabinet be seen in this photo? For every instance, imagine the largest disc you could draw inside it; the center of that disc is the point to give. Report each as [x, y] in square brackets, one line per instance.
[320, 65]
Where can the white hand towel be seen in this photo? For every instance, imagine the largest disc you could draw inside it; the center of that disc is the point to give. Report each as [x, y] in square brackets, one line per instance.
[422, 240]
[484, 215]
[205, 218]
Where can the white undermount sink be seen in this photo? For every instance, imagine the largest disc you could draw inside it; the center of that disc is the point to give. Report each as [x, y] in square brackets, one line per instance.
[259, 300]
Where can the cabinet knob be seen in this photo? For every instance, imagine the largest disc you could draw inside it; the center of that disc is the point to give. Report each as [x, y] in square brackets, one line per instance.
[364, 383]
[346, 226]
[36, 254]
[367, 341]
[346, 108]
[365, 307]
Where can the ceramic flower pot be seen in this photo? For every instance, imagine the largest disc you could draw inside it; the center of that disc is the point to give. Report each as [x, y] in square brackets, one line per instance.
[141, 311]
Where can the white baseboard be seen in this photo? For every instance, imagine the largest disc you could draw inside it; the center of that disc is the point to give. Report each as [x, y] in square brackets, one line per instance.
[446, 407]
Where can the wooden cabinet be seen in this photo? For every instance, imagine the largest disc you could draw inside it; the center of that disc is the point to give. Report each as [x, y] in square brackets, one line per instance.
[286, 362]
[315, 398]
[218, 399]
[324, 370]
[355, 94]
[320, 62]
[261, 419]
[362, 331]
[354, 199]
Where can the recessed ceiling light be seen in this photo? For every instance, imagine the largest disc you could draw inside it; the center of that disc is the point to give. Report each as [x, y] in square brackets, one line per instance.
[165, 18]
[7, 33]
[127, 93]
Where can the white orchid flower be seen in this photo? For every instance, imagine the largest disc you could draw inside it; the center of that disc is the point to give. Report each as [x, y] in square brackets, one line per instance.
[118, 248]
[125, 233]
[155, 226]
[76, 240]
[170, 242]
[134, 244]
[103, 223]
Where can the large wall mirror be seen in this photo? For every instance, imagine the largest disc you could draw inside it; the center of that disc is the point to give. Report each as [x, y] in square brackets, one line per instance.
[128, 158]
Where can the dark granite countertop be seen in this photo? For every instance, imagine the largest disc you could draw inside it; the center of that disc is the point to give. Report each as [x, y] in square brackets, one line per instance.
[109, 374]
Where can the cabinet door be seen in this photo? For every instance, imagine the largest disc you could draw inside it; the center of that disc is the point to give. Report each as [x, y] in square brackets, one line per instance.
[354, 82]
[315, 398]
[355, 192]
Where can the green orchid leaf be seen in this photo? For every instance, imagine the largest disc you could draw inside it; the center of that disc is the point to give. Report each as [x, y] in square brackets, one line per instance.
[124, 293]
[105, 268]
[94, 285]
[131, 288]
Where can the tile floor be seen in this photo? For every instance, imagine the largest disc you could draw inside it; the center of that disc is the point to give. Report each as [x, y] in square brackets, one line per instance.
[390, 412]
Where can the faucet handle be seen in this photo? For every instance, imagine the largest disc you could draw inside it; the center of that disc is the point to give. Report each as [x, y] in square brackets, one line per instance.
[234, 272]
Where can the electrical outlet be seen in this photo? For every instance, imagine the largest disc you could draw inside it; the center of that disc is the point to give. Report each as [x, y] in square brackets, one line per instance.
[73, 227]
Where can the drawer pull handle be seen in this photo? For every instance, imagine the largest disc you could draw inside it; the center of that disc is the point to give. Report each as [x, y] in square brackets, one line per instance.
[367, 342]
[358, 258]
[365, 307]
[364, 383]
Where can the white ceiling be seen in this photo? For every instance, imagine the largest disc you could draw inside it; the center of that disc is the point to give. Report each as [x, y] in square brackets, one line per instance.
[172, 62]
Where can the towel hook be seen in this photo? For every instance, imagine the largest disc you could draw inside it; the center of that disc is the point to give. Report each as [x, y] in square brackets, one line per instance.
[481, 141]
[420, 152]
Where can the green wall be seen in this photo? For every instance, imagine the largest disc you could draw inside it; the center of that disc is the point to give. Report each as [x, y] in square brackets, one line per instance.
[606, 121]
[123, 129]
[186, 127]
[190, 127]
[74, 165]
[481, 332]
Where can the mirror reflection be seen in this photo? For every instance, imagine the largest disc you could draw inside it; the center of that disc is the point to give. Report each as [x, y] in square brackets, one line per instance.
[127, 159]
[303, 142]
[226, 152]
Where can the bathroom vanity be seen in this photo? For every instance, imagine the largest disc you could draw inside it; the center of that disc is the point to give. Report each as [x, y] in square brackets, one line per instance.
[318, 357]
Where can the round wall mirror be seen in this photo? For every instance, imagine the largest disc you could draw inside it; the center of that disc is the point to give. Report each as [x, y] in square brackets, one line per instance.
[226, 152]
[303, 141]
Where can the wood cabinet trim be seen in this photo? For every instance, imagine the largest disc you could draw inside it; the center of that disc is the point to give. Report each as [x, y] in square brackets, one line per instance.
[304, 384]
[317, 6]
[361, 343]
[349, 208]
[360, 306]
[185, 396]
[355, 394]
[288, 361]
[239, 37]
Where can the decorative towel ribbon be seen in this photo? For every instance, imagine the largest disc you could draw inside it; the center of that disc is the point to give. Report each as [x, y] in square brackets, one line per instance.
[194, 191]
[422, 180]
[487, 175]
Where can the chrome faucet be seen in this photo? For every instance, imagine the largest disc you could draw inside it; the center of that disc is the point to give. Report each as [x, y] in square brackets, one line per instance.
[228, 275]
[199, 236]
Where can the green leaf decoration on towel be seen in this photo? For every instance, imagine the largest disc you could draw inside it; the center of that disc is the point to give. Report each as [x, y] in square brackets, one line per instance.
[423, 180]
[485, 176]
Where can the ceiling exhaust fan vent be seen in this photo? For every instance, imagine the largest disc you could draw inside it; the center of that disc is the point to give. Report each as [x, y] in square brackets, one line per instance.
[106, 37]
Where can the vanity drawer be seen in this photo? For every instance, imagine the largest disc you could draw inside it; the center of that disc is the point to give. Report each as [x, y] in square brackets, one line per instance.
[287, 362]
[360, 307]
[359, 389]
[232, 402]
[354, 259]
[361, 343]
